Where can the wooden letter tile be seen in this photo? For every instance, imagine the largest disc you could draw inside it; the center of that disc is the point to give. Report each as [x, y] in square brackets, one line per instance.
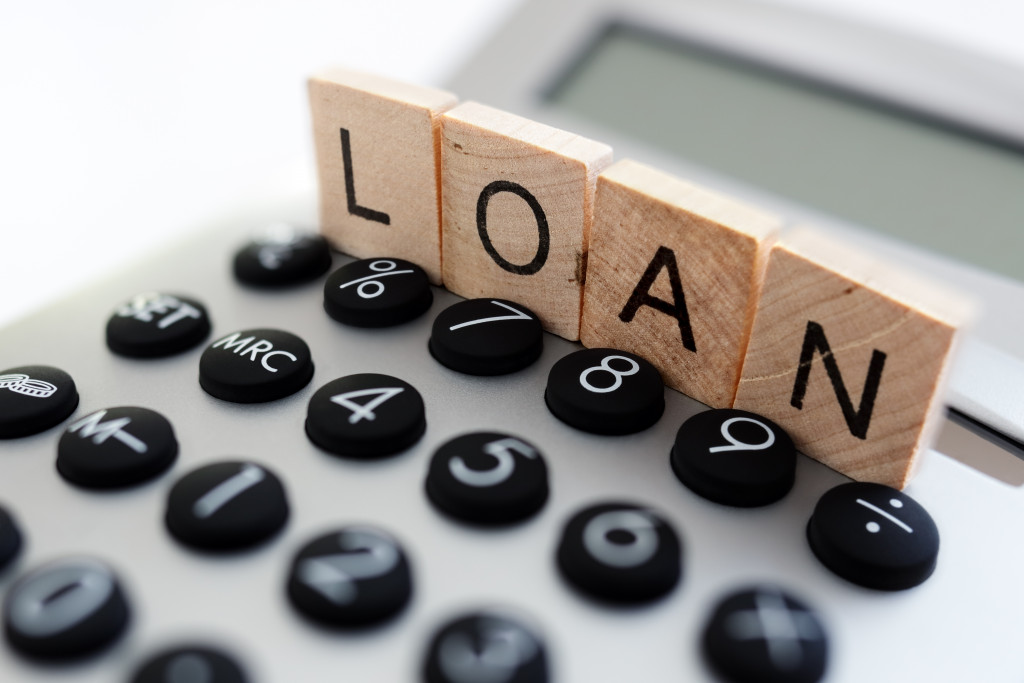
[518, 200]
[377, 157]
[849, 356]
[673, 275]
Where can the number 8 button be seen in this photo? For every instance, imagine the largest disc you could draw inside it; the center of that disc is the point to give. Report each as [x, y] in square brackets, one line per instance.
[605, 391]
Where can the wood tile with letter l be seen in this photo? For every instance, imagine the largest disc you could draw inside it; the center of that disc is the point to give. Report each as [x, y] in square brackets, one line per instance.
[377, 157]
[850, 356]
[518, 202]
[673, 275]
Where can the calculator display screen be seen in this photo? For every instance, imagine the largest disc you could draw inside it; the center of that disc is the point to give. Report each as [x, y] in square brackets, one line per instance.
[927, 181]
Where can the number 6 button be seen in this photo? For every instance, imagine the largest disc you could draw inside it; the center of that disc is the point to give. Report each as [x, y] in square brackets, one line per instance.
[605, 391]
[365, 416]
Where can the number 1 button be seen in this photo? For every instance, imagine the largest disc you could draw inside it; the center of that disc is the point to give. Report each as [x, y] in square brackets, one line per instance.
[366, 416]
[486, 337]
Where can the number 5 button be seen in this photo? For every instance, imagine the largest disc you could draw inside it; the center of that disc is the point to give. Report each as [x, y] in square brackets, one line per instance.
[605, 391]
[365, 416]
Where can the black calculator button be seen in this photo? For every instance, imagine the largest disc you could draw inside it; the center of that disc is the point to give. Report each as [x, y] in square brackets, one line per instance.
[605, 391]
[255, 366]
[352, 577]
[488, 478]
[34, 398]
[116, 447]
[282, 256]
[763, 635]
[486, 647]
[191, 664]
[155, 324]
[486, 337]
[10, 538]
[620, 553]
[874, 536]
[366, 416]
[734, 457]
[377, 293]
[68, 608]
[226, 506]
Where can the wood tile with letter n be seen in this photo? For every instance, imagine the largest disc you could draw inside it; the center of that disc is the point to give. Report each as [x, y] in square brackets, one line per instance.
[377, 157]
[518, 202]
[850, 356]
[673, 275]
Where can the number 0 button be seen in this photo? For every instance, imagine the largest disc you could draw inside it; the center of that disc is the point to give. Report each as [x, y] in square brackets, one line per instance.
[486, 337]
[226, 506]
[620, 553]
[605, 391]
[488, 478]
[366, 416]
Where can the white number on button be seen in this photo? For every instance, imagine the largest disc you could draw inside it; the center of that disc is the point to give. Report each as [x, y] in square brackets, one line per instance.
[640, 549]
[737, 445]
[516, 315]
[365, 411]
[363, 555]
[502, 452]
[634, 368]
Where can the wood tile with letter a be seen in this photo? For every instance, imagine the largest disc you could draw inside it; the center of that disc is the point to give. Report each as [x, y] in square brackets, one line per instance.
[518, 203]
[377, 157]
[673, 275]
[850, 356]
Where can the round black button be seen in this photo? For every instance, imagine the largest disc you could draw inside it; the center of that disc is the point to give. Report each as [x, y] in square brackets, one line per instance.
[282, 256]
[605, 391]
[620, 553]
[254, 366]
[486, 337]
[355, 576]
[116, 447]
[226, 506]
[488, 478]
[874, 536]
[762, 635]
[377, 293]
[486, 647]
[68, 608]
[154, 324]
[10, 538]
[366, 416]
[34, 398]
[734, 457]
[190, 664]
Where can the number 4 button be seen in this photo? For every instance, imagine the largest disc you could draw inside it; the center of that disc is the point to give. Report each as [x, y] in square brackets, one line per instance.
[366, 416]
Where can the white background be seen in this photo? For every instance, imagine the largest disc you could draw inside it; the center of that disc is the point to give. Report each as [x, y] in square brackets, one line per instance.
[124, 123]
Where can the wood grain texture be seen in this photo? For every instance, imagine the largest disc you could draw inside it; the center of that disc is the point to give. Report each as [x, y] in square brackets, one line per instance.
[699, 255]
[390, 203]
[834, 326]
[493, 163]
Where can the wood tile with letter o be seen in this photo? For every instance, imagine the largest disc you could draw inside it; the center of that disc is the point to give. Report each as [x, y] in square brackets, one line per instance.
[849, 356]
[376, 148]
[673, 275]
[518, 203]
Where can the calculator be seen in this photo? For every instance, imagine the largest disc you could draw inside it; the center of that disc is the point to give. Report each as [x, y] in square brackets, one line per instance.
[255, 542]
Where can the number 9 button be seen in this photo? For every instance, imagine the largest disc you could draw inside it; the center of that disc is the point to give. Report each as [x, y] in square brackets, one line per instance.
[734, 457]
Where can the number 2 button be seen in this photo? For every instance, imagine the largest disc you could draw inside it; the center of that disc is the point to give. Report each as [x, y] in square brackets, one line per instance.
[605, 391]
[366, 416]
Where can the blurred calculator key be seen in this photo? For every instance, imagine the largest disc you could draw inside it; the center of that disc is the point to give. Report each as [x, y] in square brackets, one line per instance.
[157, 324]
[282, 255]
[518, 198]
[485, 647]
[255, 366]
[366, 416]
[673, 275]
[34, 398]
[377, 292]
[68, 608]
[486, 337]
[734, 457]
[116, 447]
[10, 538]
[377, 157]
[191, 664]
[605, 391]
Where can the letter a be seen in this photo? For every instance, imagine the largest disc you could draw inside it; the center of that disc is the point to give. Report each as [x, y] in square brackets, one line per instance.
[665, 259]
